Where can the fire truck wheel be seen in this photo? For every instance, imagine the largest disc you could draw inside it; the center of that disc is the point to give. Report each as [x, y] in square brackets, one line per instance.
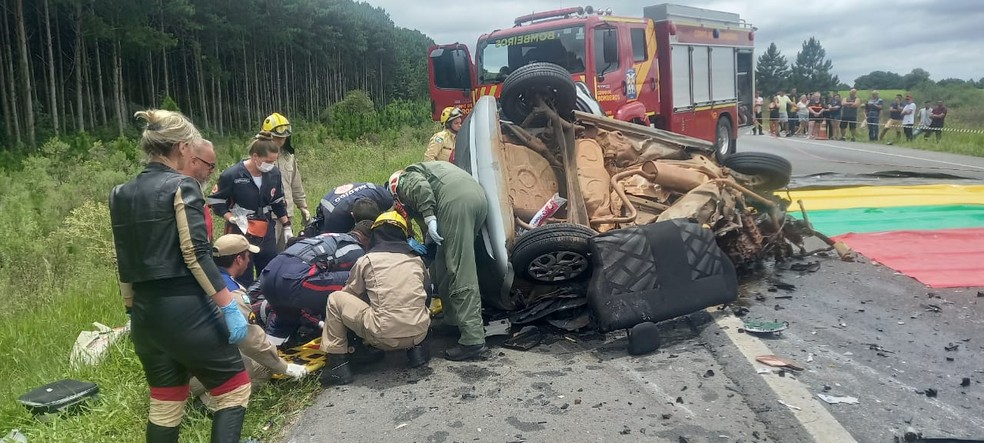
[724, 140]
[554, 253]
[550, 82]
[763, 171]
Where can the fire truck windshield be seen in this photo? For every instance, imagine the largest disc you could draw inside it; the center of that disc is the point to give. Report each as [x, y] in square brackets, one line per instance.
[500, 55]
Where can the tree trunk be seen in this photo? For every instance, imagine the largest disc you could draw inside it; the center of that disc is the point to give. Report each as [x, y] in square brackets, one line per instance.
[167, 80]
[201, 83]
[25, 72]
[9, 117]
[246, 90]
[79, 120]
[10, 83]
[117, 87]
[87, 80]
[153, 102]
[99, 81]
[52, 86]
[218, 64]
[62, 95]
[187, 84]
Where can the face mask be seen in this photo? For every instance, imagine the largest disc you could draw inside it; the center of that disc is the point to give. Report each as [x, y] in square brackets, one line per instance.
[266, 167]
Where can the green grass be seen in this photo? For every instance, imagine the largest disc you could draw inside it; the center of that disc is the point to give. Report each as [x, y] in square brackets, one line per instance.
[57, 276]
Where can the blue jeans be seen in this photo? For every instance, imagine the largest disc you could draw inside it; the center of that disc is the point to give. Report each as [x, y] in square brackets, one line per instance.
[873, 129]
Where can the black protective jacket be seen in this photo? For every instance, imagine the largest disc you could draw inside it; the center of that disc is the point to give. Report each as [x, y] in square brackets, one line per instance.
[159, 230]
[236, 188]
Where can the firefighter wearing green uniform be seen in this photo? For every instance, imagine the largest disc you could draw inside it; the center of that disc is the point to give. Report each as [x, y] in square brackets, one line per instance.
[453, 207]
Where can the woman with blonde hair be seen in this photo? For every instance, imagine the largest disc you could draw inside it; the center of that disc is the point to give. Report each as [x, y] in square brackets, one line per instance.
[171, 287]
[249, 196]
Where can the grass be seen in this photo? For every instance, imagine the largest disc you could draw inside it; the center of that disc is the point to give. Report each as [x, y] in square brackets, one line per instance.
[58, 276]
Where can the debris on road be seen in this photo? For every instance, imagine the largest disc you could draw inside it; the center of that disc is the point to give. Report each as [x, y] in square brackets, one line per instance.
[951, 347]
[797, 408]
[498, 327]
[931, 393]
[765, 327]
[779, 362]
[524, 340]
[965, 382]
[643, 338]
[833, 399]
[805, 267]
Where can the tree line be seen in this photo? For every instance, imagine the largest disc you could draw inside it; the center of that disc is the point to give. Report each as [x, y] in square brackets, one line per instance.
[811, 71]
[68, 66]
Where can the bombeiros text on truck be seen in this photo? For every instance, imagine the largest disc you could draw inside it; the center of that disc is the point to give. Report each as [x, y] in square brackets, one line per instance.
[678, 68]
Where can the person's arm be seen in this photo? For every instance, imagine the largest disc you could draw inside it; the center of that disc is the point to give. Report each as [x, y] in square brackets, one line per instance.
[257, 347]
[278, 203]
[433, 147]
[222, 195]
[189, 214]
[415, 191]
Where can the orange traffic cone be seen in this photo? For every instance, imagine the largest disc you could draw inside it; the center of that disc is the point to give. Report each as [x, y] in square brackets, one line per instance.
[822, 132]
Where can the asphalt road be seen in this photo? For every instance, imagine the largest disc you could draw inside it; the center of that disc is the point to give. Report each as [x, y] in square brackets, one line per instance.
[860, 330]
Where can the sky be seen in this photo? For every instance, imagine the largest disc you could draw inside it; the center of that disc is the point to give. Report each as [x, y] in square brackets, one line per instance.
[944, 37]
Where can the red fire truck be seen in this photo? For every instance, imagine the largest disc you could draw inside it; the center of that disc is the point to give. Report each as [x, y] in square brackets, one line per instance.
[683, 69]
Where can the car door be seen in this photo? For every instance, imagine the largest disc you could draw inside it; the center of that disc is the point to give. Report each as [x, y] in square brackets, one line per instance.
[452, 74]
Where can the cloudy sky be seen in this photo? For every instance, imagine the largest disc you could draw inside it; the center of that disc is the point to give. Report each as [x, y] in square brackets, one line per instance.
[944, 37]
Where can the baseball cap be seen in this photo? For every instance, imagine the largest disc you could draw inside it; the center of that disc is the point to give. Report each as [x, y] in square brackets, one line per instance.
[232, 244]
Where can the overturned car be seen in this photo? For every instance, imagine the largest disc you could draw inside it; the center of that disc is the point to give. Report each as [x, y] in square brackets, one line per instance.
[655, 223]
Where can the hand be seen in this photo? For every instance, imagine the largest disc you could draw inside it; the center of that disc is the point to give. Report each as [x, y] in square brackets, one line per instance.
[305, 216]
[235, 322]
[416, 246]
[432, 229]
[296, 372]
[288, 233]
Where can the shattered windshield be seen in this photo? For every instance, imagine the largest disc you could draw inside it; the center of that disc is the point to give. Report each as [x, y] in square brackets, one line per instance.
[500, 56]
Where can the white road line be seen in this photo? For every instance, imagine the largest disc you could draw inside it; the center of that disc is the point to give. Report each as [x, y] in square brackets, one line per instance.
[817, 421]
[979, 168]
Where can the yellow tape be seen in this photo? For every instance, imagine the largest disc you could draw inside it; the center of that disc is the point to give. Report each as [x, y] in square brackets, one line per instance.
[888, 196]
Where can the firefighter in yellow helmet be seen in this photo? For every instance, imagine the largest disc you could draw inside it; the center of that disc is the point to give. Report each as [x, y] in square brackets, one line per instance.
[383, 302]
[280, 129]
[441, 145]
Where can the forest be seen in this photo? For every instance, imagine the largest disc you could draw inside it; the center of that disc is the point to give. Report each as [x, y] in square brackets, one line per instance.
[71, 66]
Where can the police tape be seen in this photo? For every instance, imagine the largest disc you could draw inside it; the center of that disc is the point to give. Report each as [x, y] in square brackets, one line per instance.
[864, 123]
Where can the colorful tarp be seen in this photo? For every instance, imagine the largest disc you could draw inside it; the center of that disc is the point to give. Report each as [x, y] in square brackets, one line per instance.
[933, 233]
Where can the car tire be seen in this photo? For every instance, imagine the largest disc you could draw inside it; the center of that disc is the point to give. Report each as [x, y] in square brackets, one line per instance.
[547, 79]
[723, 139]
[768, 171]
[554, 253]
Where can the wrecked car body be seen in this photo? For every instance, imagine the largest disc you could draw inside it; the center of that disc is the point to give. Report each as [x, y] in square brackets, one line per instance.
[616, 176]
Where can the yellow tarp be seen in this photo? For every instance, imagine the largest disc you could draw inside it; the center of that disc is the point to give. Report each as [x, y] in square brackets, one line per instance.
[887, 196]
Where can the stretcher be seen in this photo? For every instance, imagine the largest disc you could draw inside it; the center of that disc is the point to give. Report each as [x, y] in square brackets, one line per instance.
[308, 355]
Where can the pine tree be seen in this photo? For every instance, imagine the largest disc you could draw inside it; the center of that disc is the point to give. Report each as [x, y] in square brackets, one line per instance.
[811, 72]
[772, 71]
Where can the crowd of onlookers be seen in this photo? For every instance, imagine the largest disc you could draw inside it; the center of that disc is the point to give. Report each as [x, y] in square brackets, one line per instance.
[831, 116]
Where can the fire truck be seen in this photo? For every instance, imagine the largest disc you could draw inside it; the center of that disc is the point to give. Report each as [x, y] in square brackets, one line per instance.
[678, 68]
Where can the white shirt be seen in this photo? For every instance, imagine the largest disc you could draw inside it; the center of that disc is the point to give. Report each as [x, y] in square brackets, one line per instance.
[909, 114]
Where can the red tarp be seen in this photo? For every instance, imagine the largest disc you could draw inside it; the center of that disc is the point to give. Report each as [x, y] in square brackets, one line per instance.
[947, 258]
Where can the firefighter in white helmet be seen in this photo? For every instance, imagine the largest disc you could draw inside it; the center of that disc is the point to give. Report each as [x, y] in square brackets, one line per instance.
[290, 175]
[441, 145]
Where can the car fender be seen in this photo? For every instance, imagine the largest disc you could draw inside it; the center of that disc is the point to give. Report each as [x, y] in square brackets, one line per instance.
[631, 111]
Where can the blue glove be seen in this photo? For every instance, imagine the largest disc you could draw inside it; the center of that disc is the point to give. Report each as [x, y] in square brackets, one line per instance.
[416, 246]
[235, 322]
[432, 229]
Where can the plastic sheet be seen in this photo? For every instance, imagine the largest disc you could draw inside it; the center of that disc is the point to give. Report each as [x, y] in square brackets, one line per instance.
[888, 196]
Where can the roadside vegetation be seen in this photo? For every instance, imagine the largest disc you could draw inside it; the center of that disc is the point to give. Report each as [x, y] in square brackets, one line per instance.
[58, 275]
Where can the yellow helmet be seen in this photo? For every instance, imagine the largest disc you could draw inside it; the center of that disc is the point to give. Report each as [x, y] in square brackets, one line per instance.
[450, 113]
[278, 125]
[391, 217]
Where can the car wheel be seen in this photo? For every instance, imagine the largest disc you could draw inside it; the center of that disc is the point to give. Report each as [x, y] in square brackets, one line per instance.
[765, 171]
[553, 253]
[723, 139]
[547, 80]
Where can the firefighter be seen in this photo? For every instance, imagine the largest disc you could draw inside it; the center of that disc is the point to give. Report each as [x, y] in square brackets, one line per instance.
[452, 205]
[290, 174]
[345, 205]
[441, 145]
[250, 197]
[184, 320]
[299, 279]
[391, 277]
[231, 253]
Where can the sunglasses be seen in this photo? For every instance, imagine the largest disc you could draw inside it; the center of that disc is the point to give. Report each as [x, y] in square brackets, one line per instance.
[211, 166]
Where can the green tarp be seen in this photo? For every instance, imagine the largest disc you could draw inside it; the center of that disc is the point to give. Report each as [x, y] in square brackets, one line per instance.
[839, 221]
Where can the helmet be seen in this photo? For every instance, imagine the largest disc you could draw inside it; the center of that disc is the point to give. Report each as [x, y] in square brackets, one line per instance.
[391, 217]
[393, 181]
[450, 113]
[278, 125]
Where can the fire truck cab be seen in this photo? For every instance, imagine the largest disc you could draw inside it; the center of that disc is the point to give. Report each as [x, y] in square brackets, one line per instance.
[677, 68]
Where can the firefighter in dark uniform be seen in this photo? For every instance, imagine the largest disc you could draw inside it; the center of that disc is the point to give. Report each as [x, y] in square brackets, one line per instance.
[299, 279]
[249, 196]
[184, 320]
[345, 205]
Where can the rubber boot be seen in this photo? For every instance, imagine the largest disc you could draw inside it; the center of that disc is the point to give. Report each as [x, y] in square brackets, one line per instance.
[418, 356]
[161, 434]
[363, 354]
[227, 424]
[465, 352]
[337, 371]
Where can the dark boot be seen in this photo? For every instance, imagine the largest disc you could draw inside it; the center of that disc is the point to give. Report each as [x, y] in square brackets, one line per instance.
[418, 356]
[337, 371]
[465, 352]
[227, 424]
[161, 434]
